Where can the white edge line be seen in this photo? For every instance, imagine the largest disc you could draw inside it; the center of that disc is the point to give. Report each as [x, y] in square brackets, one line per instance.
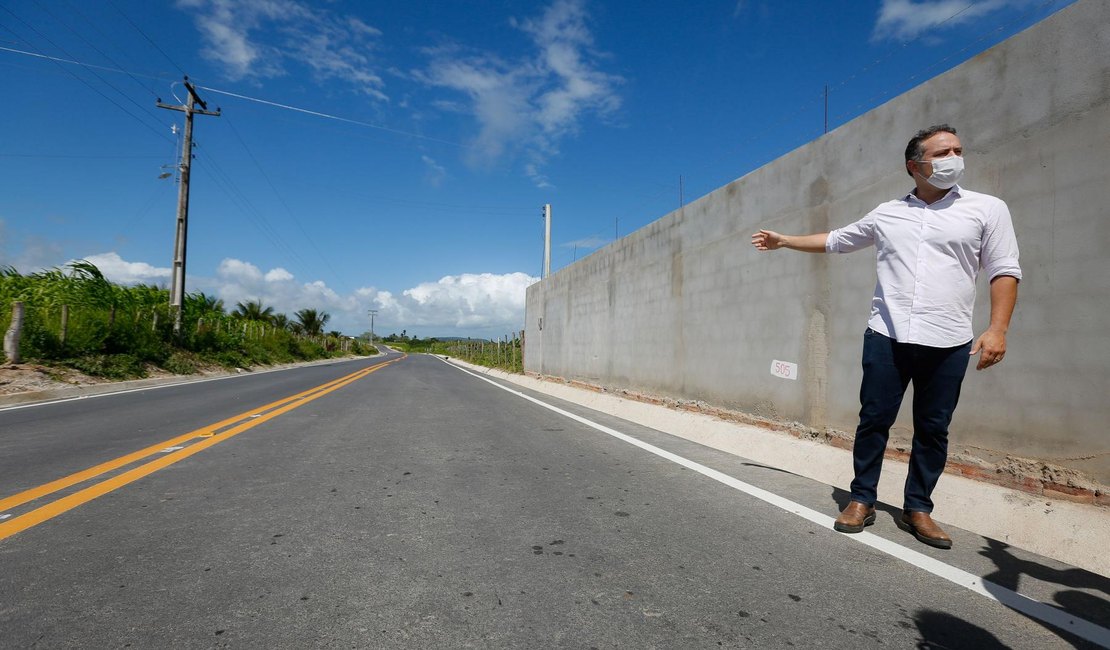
[1023, 604]
[256, 373]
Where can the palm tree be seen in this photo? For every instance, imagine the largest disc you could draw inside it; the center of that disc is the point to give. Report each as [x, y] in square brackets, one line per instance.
[313, 321]
[204, 303]
[253, 310]
[280, 321]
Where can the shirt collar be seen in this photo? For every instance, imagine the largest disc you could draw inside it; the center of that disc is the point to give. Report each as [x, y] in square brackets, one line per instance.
[954, 192]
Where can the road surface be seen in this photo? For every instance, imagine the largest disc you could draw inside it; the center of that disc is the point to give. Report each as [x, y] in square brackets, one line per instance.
[403, 502]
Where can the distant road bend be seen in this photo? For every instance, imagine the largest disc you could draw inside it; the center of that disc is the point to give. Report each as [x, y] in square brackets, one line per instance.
[401, 502]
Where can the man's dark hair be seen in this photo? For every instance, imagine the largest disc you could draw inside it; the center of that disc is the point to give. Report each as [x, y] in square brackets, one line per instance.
[914, 150]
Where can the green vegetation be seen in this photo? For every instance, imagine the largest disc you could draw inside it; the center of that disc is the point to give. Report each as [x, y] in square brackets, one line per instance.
[505, 354]
[81, 320]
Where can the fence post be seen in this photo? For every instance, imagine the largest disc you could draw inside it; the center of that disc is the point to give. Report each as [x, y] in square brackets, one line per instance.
[11, 338]
[153, 320]
[65, 324]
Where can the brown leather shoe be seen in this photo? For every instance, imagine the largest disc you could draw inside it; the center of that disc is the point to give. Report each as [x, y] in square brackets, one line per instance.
[923, 527]
[855, 517]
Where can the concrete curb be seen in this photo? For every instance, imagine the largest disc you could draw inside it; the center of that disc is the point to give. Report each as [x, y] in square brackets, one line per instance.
[1065, 530]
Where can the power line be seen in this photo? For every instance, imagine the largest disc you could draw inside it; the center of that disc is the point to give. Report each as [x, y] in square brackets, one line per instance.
[258, 100]
[105, 37]
[149, 39]
[58, 59]
[333, 117]
[228, 186]
[91, 87]
[281, 200]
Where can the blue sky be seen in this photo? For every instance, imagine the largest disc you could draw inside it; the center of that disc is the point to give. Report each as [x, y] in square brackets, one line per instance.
[396, 155]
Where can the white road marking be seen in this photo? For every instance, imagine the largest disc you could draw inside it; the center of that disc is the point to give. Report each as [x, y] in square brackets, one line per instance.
[1032, 608]
[3, 517]
[169, 449]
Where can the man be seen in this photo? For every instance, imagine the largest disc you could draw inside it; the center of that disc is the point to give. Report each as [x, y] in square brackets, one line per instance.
[931, 245]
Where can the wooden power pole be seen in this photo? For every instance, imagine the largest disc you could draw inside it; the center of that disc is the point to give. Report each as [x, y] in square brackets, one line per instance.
[177, 289]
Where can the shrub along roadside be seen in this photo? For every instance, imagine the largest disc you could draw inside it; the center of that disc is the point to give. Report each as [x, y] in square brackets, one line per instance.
[81, 320]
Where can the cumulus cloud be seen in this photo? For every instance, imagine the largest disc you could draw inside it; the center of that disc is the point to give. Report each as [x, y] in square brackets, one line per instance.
[906, 19]
[118, 270]
[532, 103]
[278, 275]
[470, 304]
[482, 304]
[257, 39]
[467, 302]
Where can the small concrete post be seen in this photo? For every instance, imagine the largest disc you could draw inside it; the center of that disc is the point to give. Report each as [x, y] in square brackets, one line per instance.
[11, 337]
[65, 324]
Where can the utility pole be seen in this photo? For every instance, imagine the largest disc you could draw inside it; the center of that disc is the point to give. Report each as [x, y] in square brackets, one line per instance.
[546, 239]
[826, 108]
[373, 312]
[177, 288]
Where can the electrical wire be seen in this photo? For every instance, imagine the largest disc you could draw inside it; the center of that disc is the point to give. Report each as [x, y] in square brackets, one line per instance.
[332, 117]
[228, 186]
[91, 87]
[149, 39]
[273, 188]
[102, 37]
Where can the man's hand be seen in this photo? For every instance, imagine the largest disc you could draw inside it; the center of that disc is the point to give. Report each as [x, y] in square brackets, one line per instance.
[993, 341]
[993, 346]
[767, 240]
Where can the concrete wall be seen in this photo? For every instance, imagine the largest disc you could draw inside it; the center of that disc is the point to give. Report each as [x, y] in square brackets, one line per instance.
[685, 307]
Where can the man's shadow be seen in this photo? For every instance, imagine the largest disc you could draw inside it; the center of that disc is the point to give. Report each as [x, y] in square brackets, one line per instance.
[1074, 599]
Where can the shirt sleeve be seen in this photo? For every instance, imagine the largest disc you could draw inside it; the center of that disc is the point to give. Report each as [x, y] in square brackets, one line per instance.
[852, 237]
[1000, 250]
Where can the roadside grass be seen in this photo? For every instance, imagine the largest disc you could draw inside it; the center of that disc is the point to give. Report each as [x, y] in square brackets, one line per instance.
[76, 318]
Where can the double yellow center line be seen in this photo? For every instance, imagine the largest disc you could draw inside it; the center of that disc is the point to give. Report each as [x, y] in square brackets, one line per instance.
[203, 438]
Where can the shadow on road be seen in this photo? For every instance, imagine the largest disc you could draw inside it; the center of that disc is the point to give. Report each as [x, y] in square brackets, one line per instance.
[941, 630]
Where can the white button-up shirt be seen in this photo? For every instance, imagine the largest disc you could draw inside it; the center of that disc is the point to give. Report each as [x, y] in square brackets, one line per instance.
[929, 256]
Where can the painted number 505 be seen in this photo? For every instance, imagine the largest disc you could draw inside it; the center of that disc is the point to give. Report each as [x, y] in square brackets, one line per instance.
[784, 369]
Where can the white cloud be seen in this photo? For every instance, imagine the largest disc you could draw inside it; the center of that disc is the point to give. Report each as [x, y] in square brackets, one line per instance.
[118, 270]
[436, 172]
[233, 270]
[484, 304]
[907, 19]
[587, 243]
[467, 302]
[529, 104]
[278, 275]
[256, 39]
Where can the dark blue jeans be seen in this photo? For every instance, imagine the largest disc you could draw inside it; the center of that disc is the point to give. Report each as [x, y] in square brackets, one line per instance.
[888, 368]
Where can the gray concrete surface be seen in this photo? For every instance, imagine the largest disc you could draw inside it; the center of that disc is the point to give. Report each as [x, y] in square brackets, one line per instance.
[1067, 531]
[422, 507]
[686, 308]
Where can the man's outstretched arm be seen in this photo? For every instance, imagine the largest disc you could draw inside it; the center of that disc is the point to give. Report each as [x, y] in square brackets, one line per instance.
[769, 240]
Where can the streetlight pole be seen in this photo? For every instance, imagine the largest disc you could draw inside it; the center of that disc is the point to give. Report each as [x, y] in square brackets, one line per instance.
[373, 312]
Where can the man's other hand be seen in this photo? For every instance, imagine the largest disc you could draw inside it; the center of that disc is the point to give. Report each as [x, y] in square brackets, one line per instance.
[992, 344]
[767, 240]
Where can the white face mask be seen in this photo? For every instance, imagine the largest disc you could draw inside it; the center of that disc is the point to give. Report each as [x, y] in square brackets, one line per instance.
[946, 172]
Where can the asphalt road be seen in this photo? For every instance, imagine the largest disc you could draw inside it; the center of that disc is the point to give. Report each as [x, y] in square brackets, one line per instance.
[405, 503]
